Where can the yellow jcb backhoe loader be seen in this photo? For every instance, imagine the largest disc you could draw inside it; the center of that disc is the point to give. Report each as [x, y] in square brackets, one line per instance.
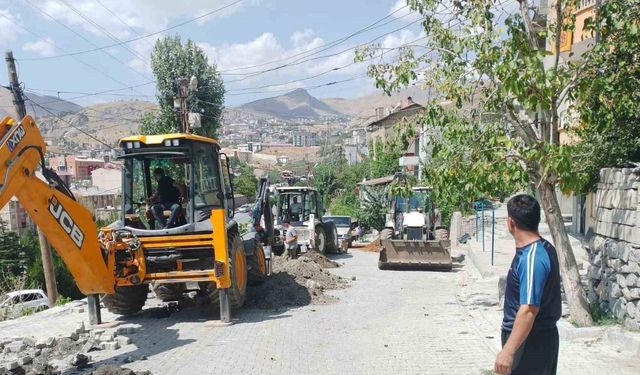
[201, 249]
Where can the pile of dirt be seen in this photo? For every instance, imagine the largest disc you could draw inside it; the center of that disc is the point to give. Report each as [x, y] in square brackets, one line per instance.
[373, 246]
[320, 259]
[296, 282]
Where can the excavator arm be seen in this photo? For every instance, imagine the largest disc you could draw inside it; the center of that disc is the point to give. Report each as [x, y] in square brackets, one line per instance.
[67, 225]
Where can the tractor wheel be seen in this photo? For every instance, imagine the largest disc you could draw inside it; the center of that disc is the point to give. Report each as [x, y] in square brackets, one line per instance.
[169, 292]
[126, 300]
[238, 269]
[333, 244]
[321, 240]
[386, 234]
[257, 266]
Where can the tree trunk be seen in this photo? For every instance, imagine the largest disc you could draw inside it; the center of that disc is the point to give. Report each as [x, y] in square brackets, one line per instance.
[576, 299]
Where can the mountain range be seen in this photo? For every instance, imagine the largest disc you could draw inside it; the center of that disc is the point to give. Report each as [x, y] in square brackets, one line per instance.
[37, 105]
[295, 104]
[67, 125]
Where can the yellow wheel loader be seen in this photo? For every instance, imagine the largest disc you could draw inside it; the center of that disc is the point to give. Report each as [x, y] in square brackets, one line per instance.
[408, 240]
[195, 245]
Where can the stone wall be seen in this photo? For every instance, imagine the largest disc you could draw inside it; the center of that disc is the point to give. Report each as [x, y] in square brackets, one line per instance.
[614, 250]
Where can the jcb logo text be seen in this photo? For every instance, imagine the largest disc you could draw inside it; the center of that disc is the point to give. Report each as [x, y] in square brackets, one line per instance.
[16, 137]
[65, 221]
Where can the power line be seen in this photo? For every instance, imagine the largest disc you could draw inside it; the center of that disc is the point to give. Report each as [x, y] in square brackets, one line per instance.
[104, 31]
[137, 38]
[69, 123]
[307, 88]
[327, 71]
[322, 47]
[83, 38]
[304, 60]
[100, 71]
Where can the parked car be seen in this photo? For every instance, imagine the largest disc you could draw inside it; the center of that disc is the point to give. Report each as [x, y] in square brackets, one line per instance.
[244, 208]
[13, 304]
[344, 225]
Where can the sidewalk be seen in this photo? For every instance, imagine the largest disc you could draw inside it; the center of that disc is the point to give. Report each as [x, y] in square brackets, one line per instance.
[490, 270]
[504, 247]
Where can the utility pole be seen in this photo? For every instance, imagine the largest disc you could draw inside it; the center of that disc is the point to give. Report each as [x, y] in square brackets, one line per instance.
[45, 250]
[184, 111]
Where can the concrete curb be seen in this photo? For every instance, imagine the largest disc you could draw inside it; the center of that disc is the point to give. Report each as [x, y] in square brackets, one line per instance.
[618, 336]
[484, 271]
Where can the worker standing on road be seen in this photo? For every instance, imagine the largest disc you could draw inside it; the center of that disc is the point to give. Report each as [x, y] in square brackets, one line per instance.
[532, 304]
[290, 239]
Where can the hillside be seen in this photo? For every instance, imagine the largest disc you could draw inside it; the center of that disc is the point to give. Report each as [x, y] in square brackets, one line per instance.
[107, 122]
[52, 104]
[295, 104]
[364, 106]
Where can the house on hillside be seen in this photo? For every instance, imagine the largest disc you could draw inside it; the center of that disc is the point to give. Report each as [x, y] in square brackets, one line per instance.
[419, 150]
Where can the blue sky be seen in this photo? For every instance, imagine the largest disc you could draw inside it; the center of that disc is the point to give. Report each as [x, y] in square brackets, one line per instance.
[247, 33]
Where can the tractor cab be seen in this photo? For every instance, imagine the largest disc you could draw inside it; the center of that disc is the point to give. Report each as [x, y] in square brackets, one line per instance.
[173, 181]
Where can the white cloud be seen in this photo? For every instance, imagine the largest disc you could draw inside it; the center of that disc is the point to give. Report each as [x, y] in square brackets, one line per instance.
[44, 47]
[401, 10]
[8, 25]
[117, 20]
[135, 16]
[238, 61]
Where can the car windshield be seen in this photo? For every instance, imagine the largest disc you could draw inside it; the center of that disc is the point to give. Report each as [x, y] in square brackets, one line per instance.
[3, 299]
[339, 221]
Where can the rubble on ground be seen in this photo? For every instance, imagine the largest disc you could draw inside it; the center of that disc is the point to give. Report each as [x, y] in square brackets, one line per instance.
[296, 282]
[63, 354]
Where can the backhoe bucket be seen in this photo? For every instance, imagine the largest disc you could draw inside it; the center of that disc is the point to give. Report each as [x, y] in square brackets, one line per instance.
[415, 255]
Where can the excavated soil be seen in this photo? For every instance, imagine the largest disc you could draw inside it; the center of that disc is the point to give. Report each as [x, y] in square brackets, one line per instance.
[320, 259]
[373, 246]
[296, 282]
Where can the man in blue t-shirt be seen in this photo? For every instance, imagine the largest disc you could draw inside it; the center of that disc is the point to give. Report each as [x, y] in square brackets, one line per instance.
[532, 302]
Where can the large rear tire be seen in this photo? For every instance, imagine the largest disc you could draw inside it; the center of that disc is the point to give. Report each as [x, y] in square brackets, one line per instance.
[169, 292]
[320, 240]
[126, 300]
[257, 266]
[333, 245]
[238, 269]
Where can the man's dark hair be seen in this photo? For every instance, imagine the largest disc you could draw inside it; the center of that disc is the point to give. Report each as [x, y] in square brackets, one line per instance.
[524, 210]
[159, 171]
[286, 221]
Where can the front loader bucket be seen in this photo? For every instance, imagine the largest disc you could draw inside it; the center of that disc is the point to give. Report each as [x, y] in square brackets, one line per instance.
[415, 255]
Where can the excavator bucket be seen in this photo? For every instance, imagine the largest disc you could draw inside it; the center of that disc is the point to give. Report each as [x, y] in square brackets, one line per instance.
[415, 255]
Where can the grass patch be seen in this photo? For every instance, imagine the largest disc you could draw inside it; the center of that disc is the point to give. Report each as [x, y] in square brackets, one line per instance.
[600, 317]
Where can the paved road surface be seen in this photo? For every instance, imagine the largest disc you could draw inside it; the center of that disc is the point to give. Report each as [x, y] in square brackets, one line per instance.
[387, 322]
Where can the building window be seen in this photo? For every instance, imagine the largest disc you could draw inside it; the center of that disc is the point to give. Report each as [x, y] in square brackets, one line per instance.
[587, 3]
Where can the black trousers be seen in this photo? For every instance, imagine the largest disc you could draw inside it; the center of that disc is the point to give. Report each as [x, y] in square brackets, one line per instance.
[538, 355]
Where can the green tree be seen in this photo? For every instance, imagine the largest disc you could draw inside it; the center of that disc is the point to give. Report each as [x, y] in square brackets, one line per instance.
[246, 183]
[491, 60]
[12, 253]
[325, 181]
[606, 96]
[170, 60]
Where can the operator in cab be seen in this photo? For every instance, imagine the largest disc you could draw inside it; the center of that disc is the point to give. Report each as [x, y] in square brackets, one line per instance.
[168, 196]
[295, 209]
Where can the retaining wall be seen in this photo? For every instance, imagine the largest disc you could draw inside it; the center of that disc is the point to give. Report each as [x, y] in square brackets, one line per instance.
[614, 250]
